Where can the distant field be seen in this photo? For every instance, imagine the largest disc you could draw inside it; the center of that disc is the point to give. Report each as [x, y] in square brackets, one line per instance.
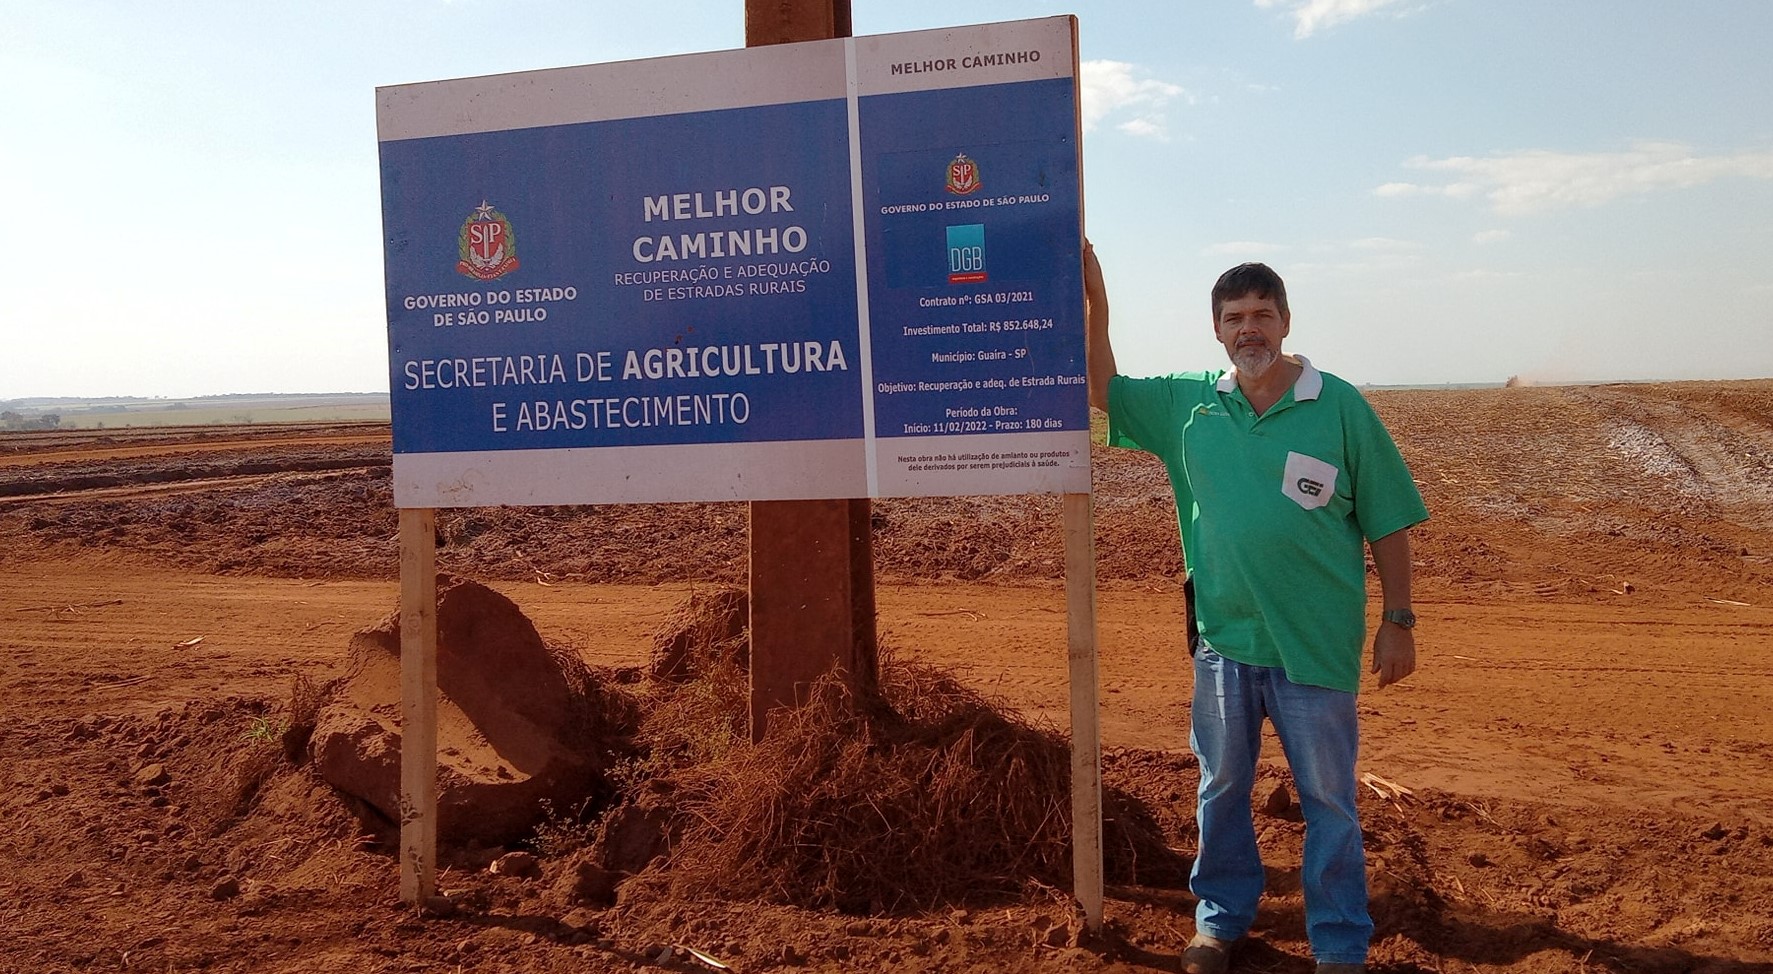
[200, 411]
[220, 415]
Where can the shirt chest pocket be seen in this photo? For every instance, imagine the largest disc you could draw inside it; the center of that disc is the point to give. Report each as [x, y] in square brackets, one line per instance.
[1308, 481]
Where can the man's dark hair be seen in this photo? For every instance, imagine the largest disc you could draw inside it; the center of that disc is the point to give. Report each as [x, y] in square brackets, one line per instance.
[1250, 279]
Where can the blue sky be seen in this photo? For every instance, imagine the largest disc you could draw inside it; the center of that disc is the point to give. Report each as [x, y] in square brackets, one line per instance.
[1455, 190]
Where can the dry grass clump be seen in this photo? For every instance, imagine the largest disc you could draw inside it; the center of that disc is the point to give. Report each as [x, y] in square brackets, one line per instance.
[700, 703]
[916, 792]
[697, 722]
[927, 794]
[708, 630]
[247, 772]
[606, 712]
[306, 698]
[243, 771]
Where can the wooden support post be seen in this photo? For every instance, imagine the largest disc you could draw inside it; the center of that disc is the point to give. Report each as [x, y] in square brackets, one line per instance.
[788, 21]
[812, 562]
[1086, 737]
[418, 705]
[812, 600]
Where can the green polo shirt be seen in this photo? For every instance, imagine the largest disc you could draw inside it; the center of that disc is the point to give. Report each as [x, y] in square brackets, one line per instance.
[1273, 510]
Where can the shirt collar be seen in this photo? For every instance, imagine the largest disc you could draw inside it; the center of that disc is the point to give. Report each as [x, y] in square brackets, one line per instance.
[1309, 385]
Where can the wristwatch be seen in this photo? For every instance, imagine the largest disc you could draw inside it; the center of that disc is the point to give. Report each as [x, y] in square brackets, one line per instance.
[1402, 617]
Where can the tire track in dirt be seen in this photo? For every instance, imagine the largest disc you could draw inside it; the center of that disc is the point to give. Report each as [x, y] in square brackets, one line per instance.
[1717, 449]
[57, 493]
[245, 441]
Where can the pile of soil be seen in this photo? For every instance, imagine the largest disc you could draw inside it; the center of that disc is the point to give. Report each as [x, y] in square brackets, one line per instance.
[521, 726]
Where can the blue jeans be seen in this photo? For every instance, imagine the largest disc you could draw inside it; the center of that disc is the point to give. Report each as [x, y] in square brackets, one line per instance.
[1319, 733]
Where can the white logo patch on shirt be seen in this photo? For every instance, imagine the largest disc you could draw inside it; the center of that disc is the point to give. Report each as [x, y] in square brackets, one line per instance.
[1308, 481]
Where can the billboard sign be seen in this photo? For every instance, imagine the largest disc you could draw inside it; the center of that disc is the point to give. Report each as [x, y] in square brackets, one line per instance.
[843, 268]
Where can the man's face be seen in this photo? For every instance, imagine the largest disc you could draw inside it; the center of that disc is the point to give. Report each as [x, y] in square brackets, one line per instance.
[1251, 329]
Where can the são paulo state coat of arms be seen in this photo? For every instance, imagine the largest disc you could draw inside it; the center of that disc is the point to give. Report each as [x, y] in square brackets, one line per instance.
[486, 245]
[963, 175]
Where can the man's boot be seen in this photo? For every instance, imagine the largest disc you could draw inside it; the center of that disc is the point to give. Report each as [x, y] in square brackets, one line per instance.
[1206, 955]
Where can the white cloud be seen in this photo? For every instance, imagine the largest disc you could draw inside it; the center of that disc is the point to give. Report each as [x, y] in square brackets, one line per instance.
[1383, 244]
[1114, 88]
[1537, 180]
[1363, 256]
[1399, 189]
[1490, 236]
[1309, 16]
[1241, 248]
[1384, 262]
[1358, 247]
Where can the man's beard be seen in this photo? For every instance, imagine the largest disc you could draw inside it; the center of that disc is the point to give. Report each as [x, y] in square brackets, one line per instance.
[1254, 360]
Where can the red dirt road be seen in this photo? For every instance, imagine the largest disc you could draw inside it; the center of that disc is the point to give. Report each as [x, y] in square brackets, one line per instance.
[1660, 706]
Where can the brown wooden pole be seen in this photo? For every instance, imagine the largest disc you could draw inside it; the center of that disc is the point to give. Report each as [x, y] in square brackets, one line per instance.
[812, 562]
[1086, 695]
[789, 21]
[418, 705]
[1086, 709]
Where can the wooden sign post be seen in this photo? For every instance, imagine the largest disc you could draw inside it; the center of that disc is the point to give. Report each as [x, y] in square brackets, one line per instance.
[812, 562]
[1086, 724]
[418, 705]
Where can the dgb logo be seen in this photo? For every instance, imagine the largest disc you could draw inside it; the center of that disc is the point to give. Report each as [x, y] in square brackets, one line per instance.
[966, 254]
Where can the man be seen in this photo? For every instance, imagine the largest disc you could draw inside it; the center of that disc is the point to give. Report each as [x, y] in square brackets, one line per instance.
[1280, 472]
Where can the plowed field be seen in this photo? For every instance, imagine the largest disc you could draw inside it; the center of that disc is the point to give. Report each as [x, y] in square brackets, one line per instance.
[1588, 744]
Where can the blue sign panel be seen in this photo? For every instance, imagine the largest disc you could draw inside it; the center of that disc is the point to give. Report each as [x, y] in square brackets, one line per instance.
[976, 206]
[651, 297]
[846, 268]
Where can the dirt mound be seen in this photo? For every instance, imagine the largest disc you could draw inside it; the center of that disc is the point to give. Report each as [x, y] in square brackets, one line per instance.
[925, 793]
[521, 727]
[867, 813]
